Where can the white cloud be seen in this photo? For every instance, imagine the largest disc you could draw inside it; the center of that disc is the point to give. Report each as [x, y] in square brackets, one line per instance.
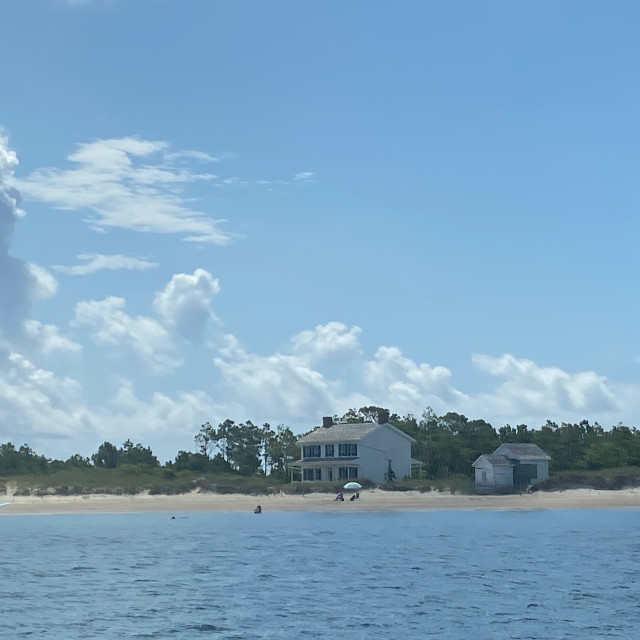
[396, 380]
[278, 384]
[49, 413]
[143, 336]
[35, 402]
[304, 176]
[191, 155]
[293, 388]
[295, 385]
[174, 421]
[46, 338]
[98, 262]
[110, 180]
[20, 283]
[44, 285]
[333, 339]
[529, 389]
[185, 303]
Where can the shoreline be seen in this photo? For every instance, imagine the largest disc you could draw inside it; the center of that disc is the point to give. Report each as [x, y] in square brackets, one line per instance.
[370, 500]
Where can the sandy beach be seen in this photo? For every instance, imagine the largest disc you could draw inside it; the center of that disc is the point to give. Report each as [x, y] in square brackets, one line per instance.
[371, 500]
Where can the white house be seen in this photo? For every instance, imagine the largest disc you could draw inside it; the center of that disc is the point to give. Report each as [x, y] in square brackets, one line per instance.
[512, 466]
[376, 451]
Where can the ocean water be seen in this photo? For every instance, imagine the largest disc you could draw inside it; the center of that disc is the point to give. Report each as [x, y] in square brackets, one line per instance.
[440, 574]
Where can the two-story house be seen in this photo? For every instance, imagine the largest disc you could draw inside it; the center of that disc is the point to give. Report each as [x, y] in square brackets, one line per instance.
[376, 451]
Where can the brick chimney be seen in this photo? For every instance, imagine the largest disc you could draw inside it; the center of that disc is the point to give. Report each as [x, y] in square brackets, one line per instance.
[327, 422]
[383, 417]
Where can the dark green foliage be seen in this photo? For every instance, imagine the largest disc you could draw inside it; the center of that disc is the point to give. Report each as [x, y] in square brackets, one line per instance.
[187, 461]
[22, 460]
[206, 440]
[281, 449]
[136, 454]
[245, 457]
[448, 445]
[106, 456]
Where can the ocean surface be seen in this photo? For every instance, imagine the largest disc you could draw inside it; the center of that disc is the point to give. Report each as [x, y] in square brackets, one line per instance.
[393, 575]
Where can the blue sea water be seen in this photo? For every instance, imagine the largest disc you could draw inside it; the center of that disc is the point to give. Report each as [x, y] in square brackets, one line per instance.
[439, 574]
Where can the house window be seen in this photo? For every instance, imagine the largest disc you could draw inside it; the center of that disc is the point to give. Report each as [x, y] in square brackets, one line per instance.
[347, 450]
[315, 473]
[347, 472]
[328, 451]
[311, 451]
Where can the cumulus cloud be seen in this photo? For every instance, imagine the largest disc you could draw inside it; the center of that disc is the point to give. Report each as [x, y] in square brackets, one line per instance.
[92, 262]
[529, 389]
[295, 387]
[20, 283]
[399, 381]
[277, 384]
[298, 383]
[112, 326]
[35, 402]
[46, 338]
[333, 339]
[185, 303]
[175, 419]
[49, 413]
[127, 183]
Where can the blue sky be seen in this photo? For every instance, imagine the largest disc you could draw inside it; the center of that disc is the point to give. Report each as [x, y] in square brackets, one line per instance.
[280, 210]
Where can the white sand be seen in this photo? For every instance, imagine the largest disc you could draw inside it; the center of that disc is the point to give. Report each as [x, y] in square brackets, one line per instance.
[369, 500]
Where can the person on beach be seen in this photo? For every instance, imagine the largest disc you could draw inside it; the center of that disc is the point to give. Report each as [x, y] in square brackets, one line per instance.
[258, 509]
[340, 497]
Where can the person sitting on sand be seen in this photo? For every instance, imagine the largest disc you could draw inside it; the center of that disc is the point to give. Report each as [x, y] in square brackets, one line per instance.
[340, 497]
[352, 498]
[258, 509]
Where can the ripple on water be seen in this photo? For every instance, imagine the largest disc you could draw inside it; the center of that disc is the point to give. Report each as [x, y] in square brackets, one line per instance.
[409, 575]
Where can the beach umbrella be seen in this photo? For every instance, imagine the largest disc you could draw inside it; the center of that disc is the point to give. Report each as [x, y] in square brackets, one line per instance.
[352, 486]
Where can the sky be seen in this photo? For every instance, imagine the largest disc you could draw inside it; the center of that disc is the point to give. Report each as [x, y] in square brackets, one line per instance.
[277, 211]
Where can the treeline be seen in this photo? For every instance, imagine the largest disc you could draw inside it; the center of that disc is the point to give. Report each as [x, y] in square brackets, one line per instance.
[449, 444]
[236, 448]
[242, 448]
[446, 445]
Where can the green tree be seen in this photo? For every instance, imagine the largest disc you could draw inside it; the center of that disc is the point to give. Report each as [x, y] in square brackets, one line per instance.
[76, 461]
[106, 456]
[282, 449]
[206, 439]
[243, 447]
[136, 454]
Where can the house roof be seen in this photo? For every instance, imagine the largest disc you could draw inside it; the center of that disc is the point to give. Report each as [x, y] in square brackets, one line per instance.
[523, 451]
[495, 460]
[346, 433]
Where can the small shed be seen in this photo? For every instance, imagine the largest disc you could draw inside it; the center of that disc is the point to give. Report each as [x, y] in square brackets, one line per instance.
[512, 466]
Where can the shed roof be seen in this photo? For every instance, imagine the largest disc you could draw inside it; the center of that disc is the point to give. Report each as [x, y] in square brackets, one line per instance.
[346, 433]
[495, 460]
[522, 451]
